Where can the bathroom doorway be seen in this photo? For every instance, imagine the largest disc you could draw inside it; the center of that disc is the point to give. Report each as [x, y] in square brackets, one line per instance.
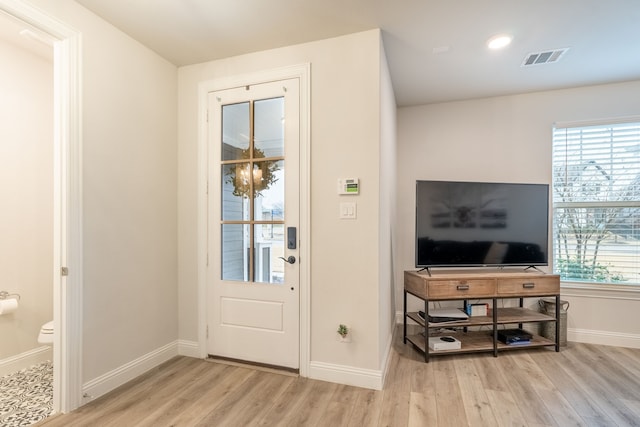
[65, 269]
[26, 221]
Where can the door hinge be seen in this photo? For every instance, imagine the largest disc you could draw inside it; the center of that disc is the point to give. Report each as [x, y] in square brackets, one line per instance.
[207, 331]
[64, 271]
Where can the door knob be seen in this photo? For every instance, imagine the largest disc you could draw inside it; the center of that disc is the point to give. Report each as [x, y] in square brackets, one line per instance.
[291, 259]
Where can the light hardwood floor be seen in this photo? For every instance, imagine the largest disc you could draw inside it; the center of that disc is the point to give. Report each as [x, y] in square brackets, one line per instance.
[583, 385]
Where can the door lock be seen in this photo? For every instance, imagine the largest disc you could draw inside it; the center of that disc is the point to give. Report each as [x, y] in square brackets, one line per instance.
[291, 259]
[291, 237]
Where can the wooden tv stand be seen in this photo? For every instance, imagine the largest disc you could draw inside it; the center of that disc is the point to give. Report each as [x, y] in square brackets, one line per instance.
[480, 333]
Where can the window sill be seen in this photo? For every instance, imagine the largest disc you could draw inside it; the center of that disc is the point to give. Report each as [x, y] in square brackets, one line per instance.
[601, 290]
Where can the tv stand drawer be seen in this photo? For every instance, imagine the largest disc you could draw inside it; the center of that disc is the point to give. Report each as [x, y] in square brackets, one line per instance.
[525, 286]
[451, 289]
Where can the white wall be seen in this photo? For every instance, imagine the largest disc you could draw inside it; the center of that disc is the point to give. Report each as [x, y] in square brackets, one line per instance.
[387, 207]
[509, 139]
[26, 192]
[345, 142]
[129, 117]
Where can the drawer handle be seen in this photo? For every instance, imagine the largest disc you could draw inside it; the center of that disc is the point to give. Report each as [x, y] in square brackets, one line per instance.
[529, 285]
[462, 287]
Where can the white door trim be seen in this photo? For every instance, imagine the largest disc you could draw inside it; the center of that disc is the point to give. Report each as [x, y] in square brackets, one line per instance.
[303, 73]
[67, 202]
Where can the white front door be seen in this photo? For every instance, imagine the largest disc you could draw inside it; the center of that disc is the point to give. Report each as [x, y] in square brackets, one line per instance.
[253, 223]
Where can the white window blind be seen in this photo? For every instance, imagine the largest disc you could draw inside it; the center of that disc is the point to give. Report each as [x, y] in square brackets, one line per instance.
[596, 203]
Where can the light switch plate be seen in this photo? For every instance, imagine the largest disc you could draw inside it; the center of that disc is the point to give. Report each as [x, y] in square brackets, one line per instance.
[348, 210]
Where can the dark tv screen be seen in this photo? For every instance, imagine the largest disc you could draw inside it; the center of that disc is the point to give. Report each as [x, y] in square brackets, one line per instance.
[473, 224]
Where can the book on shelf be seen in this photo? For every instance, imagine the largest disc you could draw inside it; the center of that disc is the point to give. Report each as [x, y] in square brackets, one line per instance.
[514, 336]
[477, 309]
[515, 343]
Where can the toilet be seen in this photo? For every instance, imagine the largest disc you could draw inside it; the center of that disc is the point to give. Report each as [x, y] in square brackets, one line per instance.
[46, 334]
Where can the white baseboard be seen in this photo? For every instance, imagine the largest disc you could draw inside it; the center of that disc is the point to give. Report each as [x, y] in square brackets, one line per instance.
[348, 375]
[399, 316]
[24, 360]
[189, 348]
[617, 339]
[322, 371]
[111, 380]
[366, 378]
[386, 360]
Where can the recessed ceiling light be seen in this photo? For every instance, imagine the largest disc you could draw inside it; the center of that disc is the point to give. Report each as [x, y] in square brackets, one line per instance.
[499, 41]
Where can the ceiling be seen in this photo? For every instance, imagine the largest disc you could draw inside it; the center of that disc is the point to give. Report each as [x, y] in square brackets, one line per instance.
[435, 48]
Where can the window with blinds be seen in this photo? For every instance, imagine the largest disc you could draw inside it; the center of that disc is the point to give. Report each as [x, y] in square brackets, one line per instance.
[596, 203]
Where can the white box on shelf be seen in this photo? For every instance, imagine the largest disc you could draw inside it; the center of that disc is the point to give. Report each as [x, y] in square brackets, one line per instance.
[444, 343]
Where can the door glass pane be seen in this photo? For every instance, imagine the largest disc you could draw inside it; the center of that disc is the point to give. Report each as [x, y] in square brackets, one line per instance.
[252, 182]
[269, 127]
[235, 251]
[235, 131]
[269, 246]
[269, 202]
[235, 192]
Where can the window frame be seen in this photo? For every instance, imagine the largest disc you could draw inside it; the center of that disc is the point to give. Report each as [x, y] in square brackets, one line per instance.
[634, 285]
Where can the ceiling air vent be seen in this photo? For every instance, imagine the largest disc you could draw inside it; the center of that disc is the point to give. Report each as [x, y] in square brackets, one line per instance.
[545, 57]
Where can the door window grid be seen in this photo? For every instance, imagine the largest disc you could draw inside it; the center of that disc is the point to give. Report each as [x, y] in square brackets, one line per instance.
[252, 225]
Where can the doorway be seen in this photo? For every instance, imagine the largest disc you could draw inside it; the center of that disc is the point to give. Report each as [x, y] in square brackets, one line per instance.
[67, 218]
[26, 221]
[253, 277]
[253, 238]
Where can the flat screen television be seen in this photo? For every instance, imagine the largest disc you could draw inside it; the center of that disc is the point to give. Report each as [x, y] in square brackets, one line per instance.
[481, 224]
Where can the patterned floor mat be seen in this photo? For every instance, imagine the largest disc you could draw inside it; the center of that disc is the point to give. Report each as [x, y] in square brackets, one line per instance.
[26, 397]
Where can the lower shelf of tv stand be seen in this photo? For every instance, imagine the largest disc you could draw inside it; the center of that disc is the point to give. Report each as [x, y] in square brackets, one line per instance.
[511, 315]
[477, 342]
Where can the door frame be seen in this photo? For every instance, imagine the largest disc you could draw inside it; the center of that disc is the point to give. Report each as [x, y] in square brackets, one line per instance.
[67, 202]
[303, 73]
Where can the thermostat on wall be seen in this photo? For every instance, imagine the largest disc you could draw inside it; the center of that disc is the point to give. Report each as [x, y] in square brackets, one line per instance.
[348, 186]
